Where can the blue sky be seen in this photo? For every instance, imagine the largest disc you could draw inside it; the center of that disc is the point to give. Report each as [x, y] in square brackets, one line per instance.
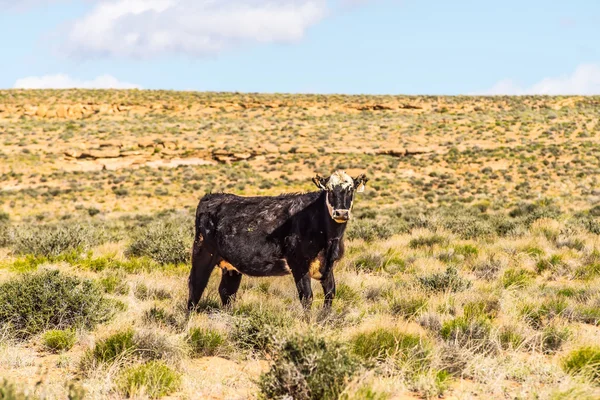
[320, 46]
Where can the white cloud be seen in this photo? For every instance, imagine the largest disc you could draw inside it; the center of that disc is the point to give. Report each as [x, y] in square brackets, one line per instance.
[62, 81]
[585, 80]
[145, 28]
[22, 5]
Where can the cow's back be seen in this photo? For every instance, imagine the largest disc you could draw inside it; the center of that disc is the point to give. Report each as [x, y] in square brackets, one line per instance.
[249, 232]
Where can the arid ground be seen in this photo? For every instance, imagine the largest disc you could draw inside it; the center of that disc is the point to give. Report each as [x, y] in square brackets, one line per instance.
[472, 266]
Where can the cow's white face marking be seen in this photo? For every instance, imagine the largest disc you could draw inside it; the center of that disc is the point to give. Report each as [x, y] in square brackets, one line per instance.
[340, 179]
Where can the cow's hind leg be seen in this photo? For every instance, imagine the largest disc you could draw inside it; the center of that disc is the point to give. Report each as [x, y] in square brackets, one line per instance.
[203, 263]
[328, 284]
[230, 283]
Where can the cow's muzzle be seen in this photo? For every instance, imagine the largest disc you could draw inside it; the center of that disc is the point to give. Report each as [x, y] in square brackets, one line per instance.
[340, 216]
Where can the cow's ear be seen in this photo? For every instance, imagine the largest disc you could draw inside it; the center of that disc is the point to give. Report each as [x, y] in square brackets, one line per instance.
[320, 182]
[360, 182]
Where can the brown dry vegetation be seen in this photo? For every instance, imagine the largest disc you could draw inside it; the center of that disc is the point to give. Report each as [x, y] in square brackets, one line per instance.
[472, 266]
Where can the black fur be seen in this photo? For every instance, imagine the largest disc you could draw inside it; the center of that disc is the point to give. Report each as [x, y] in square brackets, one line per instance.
[268, 236]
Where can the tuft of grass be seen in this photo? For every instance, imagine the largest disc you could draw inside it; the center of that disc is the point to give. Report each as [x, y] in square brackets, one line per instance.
[160, 316]
[553, 338]
[204, 342]
[308, 367]
[449, 280]
[346, 293]
[466, 331]
[584, 361]
[369, 262]
[382, 344]
[510, 338]
[33, 303]
[486, 309]
[537, 315]
[587, 314]
[114, 284]
[588, 271]
[154, 379]
[29, 263]
[554, 264]
[57, 340]
[117, 344]
[516, 278]
[143, 292]
[408, 307]
[428, 241]
[131, 266]
[466, 250]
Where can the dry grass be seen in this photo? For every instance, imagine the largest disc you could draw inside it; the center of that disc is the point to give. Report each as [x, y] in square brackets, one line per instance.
[484, 251]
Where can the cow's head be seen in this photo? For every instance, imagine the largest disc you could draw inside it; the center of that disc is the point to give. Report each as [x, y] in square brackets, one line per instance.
[340, 189]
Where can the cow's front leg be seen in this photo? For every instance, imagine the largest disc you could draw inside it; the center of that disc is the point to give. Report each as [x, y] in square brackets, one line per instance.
[328, 284]
[304, 289]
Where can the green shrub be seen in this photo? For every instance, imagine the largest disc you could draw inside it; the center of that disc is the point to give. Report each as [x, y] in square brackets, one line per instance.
[595, 211]
[584, 361]
[57, 340]
[153, 379]
[33, 303]
[166, 242]
[369, 230]
[5, 234]
[255, 328]
[530, 212]
[308, 367]
[204, 342]
[382, 344]
[469, 227]
[449, 280]
[54, 240]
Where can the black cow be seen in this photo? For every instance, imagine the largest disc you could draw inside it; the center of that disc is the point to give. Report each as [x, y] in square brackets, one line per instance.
[298, 234]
